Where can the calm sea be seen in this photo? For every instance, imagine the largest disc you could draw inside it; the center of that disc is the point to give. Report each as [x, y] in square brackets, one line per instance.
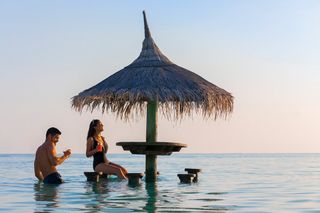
[228, 183]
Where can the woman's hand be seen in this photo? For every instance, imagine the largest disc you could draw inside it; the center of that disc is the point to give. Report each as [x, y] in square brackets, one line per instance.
[95, 150]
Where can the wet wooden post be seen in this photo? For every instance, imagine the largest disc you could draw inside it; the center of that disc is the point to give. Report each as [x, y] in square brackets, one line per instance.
[151, 137]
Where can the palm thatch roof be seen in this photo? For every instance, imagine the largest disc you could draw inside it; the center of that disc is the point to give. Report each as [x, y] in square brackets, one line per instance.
[153, 77]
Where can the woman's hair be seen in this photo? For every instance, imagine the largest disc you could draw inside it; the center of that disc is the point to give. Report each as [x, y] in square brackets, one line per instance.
[92, 129]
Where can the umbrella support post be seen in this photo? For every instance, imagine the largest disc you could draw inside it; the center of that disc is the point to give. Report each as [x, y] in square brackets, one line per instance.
[151, 168]
[151, 137]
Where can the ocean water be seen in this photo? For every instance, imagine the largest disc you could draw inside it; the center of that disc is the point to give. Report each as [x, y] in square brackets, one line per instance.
[227, 183]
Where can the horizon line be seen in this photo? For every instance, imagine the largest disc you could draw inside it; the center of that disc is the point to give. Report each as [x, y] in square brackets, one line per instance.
[77, 153]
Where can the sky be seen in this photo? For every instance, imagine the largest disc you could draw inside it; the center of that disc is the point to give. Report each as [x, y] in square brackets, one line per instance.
[266, 53]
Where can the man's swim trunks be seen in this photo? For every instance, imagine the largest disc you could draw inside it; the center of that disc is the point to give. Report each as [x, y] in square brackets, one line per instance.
[53, 178]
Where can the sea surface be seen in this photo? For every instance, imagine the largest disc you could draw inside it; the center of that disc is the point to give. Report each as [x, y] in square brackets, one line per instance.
[227, 183]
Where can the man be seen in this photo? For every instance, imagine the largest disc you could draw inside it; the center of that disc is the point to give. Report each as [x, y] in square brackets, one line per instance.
[46, 160]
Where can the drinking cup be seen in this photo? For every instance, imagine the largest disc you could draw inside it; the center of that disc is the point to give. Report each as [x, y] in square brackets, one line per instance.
[99, 148]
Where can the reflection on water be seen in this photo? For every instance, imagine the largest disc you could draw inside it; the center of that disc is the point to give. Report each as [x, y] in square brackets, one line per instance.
[97, 194]
[228, 183]
[101, 196]
[152, 193]
[46, 196]
[99, 188]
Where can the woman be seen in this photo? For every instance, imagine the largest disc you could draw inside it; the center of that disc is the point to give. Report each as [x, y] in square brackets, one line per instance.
[100, 162]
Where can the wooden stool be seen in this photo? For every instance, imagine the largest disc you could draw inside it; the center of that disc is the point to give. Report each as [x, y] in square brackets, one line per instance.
[93, 176]
[193, 171]
[104, 176]
[186, 178]
[134, 178]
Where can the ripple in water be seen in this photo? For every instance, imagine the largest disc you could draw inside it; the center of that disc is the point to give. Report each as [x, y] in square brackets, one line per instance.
[228, 183]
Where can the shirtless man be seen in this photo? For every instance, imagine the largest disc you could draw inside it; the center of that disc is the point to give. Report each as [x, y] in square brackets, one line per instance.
[46, 160]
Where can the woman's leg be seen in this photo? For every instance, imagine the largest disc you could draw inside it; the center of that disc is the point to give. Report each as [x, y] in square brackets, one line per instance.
[110, 169]
[122, 168]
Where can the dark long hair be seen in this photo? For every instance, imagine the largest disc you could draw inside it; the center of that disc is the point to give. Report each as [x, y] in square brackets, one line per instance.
[92, 129]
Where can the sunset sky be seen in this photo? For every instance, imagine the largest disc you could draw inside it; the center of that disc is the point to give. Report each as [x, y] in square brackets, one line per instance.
[266, 53]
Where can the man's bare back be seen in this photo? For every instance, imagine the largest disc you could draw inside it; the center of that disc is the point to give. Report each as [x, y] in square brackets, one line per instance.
[42, 165]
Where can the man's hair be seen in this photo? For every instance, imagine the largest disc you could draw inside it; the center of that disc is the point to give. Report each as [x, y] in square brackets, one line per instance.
[53, 131]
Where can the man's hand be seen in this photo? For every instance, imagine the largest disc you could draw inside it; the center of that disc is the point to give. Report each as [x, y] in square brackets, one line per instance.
[67, 153]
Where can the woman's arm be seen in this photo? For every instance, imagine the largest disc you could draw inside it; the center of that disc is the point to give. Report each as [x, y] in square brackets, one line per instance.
[90, 151]
[105, 145]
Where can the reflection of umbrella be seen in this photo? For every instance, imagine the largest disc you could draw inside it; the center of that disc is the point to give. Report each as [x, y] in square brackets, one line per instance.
[152, 80]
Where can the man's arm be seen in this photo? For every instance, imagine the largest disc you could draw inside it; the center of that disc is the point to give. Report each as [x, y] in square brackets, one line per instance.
[53, 159]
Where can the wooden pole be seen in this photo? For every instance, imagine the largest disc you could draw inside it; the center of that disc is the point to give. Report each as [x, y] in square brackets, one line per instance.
[151, 137]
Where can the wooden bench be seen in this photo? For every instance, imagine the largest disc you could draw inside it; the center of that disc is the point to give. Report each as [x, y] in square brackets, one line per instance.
[134, 178]
[186, 178]
[95, 176]
[193, 171]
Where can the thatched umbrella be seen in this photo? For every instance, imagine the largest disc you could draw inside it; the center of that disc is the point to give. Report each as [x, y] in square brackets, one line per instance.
[152, 81]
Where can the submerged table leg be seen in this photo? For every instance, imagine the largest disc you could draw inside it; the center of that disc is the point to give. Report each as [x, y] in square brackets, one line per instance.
[151, 137]
[151, 168]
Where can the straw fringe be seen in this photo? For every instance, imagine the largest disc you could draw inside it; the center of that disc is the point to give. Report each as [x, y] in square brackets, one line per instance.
[153, 77]
[127, 105]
